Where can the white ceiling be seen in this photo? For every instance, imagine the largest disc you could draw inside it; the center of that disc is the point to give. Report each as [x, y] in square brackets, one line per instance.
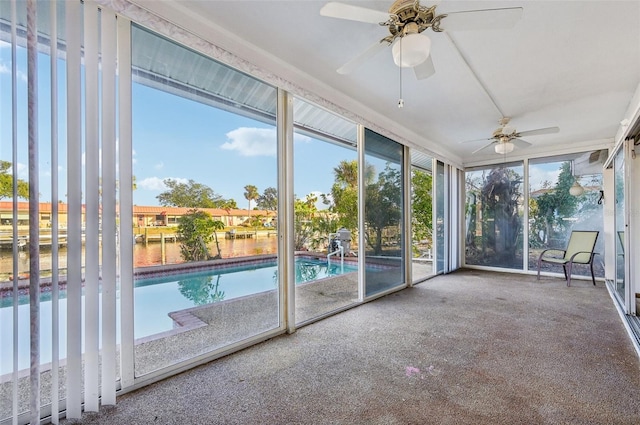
[571, 64]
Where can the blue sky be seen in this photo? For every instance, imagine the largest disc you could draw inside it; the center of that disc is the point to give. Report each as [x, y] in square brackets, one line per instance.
[181, 139]
[172, 138]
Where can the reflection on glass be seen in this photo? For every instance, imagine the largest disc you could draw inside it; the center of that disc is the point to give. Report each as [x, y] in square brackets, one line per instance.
[383, 213]
[421, 224]
[554, 212]
[618, 164]
[440, 206]
[201, 290]
[494, 217]
[205, 169]
[326, 211]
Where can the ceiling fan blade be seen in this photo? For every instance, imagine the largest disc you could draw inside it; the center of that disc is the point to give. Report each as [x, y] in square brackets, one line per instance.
[548, 130]
[484, 147]
[354, 13]
[479, 140]
[520, 143]
[371, 51]
[425, 69]
[486, 19]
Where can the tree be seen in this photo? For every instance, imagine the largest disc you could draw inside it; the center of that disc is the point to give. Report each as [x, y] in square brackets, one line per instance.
[250, 194]
[383, 206]
[346, 173]
[201, 290]
[421, 205]
[226, 204]
[552, 207]
[268, 200]
[304, 217]
[6, 183]
[195, 230]
[502, 223]
[567, 203]
[217, 225]
[344, 193]
[191, 195]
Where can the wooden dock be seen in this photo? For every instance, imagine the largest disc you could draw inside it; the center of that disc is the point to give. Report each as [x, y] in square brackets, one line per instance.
[46, 240]
[238, 235]
[157, 237]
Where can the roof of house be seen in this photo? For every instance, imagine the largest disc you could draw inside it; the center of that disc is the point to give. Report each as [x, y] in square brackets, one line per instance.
[46, 207]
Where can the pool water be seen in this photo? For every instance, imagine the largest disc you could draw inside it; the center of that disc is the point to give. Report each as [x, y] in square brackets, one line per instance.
[155, 298]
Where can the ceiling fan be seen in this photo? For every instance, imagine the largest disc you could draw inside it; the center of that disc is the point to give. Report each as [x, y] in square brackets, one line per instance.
[505, 138]
[406, 21]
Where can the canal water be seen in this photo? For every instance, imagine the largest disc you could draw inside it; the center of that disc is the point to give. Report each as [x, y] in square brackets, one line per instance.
[145, 255]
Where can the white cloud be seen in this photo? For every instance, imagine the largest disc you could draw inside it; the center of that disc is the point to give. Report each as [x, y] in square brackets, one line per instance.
[256, 141]
[252, 141]
[159, 165]
[5, 69]
[23, 171]
[157, 183]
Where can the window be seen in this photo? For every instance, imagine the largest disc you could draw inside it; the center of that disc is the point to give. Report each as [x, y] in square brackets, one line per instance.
[204, 142]
[494, 214]
[383, 215]
[554, 211]
[326, 211]
[422, 216]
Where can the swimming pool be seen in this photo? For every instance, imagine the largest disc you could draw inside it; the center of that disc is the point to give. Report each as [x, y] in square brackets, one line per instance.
[155, 297]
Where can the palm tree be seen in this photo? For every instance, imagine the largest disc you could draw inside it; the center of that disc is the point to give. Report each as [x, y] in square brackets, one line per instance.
[346, 173]
[217, 225]
[250, 194]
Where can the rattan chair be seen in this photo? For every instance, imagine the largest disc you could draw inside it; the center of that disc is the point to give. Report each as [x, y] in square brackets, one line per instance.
[580, 250]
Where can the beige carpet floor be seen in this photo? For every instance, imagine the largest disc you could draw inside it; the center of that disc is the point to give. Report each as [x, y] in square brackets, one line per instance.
[466, 348]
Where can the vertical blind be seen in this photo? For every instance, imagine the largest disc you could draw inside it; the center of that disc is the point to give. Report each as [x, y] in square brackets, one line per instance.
[76, 165]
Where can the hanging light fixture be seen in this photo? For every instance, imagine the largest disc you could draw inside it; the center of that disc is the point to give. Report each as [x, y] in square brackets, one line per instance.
[411, 50]
[576, 189]
[504, 147]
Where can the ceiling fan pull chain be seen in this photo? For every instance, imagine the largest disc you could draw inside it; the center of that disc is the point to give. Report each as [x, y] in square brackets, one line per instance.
[400, 101]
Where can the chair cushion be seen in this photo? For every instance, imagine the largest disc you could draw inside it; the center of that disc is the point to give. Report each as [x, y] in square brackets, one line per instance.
[555, 260]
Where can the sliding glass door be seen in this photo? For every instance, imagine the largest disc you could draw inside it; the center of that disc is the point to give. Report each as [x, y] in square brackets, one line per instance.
[422, 244]
[205, 204]
[620, 225]
[383, 214]
[565, 195]
[325, 211]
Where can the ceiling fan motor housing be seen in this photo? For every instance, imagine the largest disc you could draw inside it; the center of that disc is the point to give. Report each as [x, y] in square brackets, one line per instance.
[404, 12]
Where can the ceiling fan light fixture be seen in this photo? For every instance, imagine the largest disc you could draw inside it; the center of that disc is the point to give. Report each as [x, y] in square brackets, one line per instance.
[504, 147]
[415, 50]
[508, 130]
[576, 189]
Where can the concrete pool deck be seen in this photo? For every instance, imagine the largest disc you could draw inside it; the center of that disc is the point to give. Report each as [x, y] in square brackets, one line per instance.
[470, 347]
[200, 330]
